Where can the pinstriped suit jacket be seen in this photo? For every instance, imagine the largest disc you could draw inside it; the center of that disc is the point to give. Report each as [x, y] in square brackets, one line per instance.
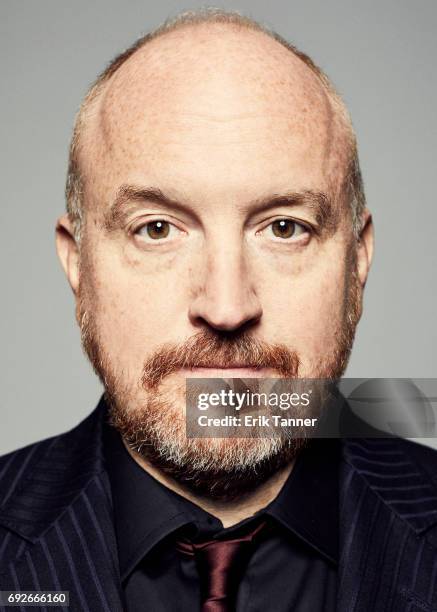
[56, 527]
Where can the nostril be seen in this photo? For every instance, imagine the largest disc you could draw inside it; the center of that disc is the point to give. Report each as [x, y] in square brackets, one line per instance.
[225, 321]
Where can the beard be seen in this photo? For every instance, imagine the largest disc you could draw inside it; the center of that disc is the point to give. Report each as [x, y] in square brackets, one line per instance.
[149, 412]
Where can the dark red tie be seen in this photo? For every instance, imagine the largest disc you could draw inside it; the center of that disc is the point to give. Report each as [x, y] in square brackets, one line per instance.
[221, 564]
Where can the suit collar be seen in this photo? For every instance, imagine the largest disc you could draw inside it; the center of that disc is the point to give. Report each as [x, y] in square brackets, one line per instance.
[398, 481]
[53, 474]
[386, 465]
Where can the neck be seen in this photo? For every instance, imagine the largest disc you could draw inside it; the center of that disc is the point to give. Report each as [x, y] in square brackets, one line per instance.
[229, 512]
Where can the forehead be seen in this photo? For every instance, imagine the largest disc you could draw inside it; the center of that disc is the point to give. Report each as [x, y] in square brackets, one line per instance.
[206, 98]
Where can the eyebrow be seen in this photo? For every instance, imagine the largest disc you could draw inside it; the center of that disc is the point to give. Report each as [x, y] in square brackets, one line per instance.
[130, 196]
[318, 202]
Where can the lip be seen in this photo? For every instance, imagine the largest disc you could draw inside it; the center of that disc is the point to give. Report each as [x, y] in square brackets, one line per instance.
[231, 372]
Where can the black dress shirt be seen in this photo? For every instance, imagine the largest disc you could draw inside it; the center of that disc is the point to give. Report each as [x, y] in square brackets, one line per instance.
[293, 568]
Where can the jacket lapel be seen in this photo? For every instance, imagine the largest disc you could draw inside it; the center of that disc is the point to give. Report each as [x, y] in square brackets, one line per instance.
[60, 516]
[388, 509]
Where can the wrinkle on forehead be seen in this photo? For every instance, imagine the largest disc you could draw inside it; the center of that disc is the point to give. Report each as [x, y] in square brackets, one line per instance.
[214, 77]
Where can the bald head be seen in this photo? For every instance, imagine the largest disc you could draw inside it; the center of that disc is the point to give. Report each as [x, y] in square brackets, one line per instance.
[215, 170]
[206, 83]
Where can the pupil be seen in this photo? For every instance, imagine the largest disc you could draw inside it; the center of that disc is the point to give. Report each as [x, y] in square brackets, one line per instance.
[158, 229]
[283, 228]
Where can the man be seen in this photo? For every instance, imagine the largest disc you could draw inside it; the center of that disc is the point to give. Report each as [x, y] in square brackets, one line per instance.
[216, 227]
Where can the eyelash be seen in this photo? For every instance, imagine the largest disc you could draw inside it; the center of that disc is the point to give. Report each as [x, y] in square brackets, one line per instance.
[144, 226]
[305, 229]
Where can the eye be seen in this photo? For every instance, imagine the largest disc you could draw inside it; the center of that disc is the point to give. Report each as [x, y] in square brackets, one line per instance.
[286, 229]
[156, 230]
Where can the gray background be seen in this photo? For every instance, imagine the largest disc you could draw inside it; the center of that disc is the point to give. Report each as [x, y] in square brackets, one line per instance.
[380, 55]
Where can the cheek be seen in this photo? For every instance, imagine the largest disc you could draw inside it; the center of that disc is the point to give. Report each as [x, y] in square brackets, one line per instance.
[132, 307]
[307, 312]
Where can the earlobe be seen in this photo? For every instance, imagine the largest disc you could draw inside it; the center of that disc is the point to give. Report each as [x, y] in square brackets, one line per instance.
[68, 251]
[365, 247]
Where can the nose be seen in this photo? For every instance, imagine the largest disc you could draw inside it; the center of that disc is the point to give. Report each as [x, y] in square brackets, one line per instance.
[224, 297]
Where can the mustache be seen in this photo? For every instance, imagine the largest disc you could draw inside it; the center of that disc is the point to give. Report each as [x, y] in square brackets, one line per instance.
[208, 350]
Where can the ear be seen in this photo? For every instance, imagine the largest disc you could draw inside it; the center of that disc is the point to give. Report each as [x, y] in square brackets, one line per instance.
[365, 247]
[68, 251]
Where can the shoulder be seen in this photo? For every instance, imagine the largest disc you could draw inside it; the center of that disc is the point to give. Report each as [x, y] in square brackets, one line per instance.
[15, 464]
[70, 452]
[400, 462]
[390, 451]
[421, 454]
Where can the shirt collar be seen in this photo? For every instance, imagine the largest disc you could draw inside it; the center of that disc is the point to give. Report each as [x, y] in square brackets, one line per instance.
[307, 504]
[146, 511]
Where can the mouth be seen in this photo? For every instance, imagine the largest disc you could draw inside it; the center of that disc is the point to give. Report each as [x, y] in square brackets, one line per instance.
[234, 371]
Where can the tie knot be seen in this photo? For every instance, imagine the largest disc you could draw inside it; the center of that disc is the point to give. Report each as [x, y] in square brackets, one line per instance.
[221, 564]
